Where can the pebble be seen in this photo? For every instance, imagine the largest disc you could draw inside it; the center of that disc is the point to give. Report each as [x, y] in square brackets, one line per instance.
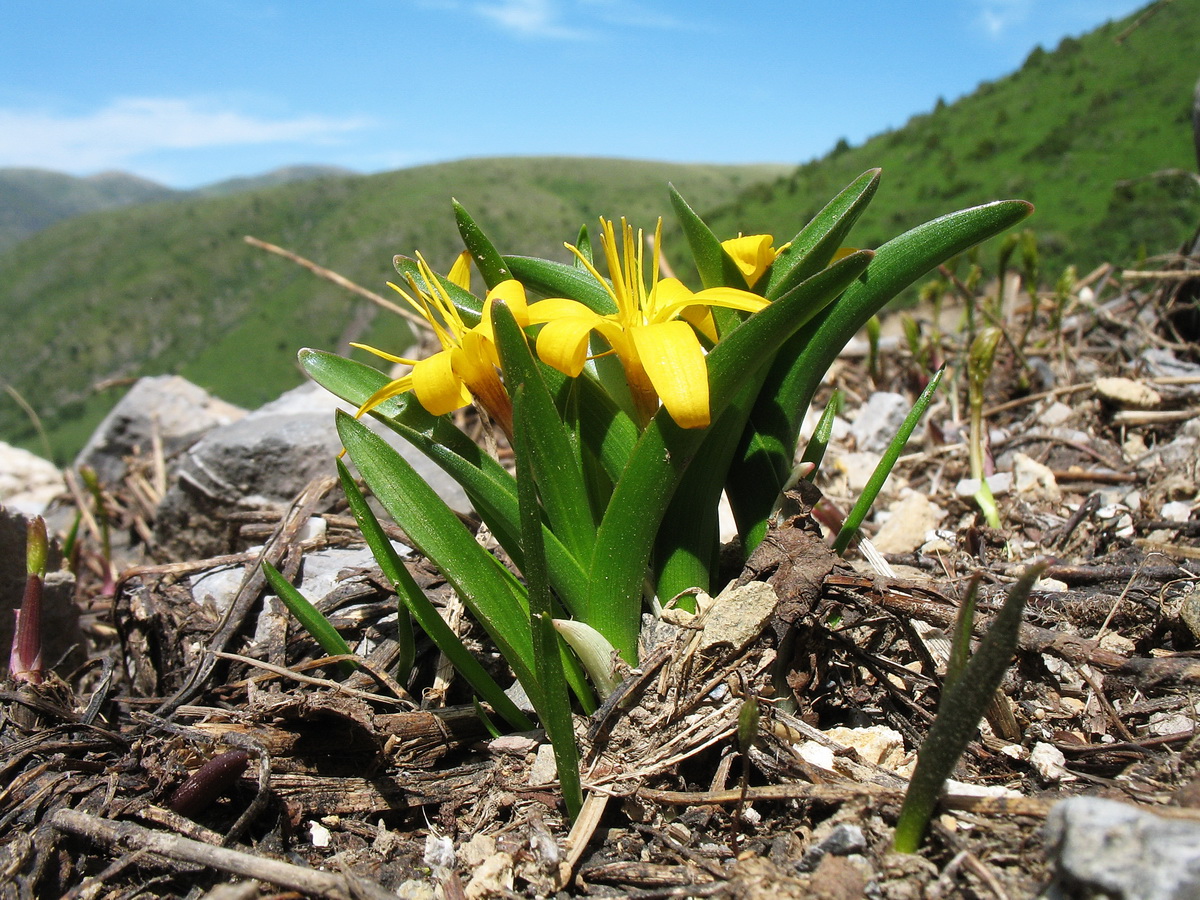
[908, 524]
[1103, 848]
[879, 420]
[1128, 392]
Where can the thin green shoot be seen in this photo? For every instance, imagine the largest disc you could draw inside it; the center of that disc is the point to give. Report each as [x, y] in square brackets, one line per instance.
[310, 618]
[884, 468]
[962, 706]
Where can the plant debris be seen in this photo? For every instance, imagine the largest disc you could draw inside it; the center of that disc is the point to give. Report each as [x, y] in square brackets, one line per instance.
[198, 749]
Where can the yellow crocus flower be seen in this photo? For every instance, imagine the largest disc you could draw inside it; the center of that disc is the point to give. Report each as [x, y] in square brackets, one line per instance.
[650, 332]
[753, 254]
[465, 367]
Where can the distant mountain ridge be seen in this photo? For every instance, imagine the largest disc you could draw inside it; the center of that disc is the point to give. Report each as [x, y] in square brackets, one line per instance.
[33, 199]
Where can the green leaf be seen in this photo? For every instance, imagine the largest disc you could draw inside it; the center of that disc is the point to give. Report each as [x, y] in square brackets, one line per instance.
[663, 452]
[555, 279]
[414, 602]
[548, 444]
[814, 246]
[769, 443]
[485, 256]
[964, 626]
[688, 543]
[435, 531]
[552, 701]
[814, 452]
[716, 267]
[962, 706]
[310, 618]
[583, 244]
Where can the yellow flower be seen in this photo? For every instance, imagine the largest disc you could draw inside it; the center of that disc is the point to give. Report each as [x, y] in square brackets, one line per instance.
[650, 332]
[465, 367]
[753, 254]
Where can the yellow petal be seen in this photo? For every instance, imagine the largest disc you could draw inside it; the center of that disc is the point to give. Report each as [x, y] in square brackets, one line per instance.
[477, 358]
[557, 308]
[437, 386]
[383, 354]
[700, 318]
[753, 253]
[460, 272]
[388, 391]
[674, 361]
[512, 292]
[563, 342]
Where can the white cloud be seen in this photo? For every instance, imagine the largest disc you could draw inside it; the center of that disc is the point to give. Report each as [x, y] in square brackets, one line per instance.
[998, 16]
[113, 136]
[530, 18]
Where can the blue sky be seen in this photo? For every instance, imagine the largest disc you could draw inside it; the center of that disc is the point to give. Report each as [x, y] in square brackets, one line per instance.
[188, 92]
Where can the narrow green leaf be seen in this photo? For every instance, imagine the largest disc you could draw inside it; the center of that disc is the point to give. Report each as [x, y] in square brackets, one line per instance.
[687, 548]
[555, 279]
[583, 244]
[414, 603]
[547, 442]
[814, 452]
[715, 266]
[874, 485]
[435, 531]
[552, 701]
[962, 706]
[406, 644]
[310, 618]
[814, 246]
[770, 440]
[964, 627]
[485, 256]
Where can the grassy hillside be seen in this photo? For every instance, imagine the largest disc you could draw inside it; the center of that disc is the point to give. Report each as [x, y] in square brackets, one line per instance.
[1078, 131]
[171, 287]
[32, 199]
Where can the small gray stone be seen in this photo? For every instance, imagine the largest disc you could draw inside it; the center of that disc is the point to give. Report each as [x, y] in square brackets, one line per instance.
[845, 839]
[178, 410]
[879, 420]
[1100, 847]
[263, 461]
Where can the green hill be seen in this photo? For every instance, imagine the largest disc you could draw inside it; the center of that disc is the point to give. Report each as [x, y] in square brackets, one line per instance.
[33, 199]
[172, 287]
[1081, 132]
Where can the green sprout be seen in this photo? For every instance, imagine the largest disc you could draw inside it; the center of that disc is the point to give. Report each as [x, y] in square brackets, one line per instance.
[980, 357]
[25, 660]
[966, 692]
[632, 403]
[874, 328]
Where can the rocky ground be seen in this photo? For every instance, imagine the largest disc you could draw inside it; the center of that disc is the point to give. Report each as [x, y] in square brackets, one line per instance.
[359, 786]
